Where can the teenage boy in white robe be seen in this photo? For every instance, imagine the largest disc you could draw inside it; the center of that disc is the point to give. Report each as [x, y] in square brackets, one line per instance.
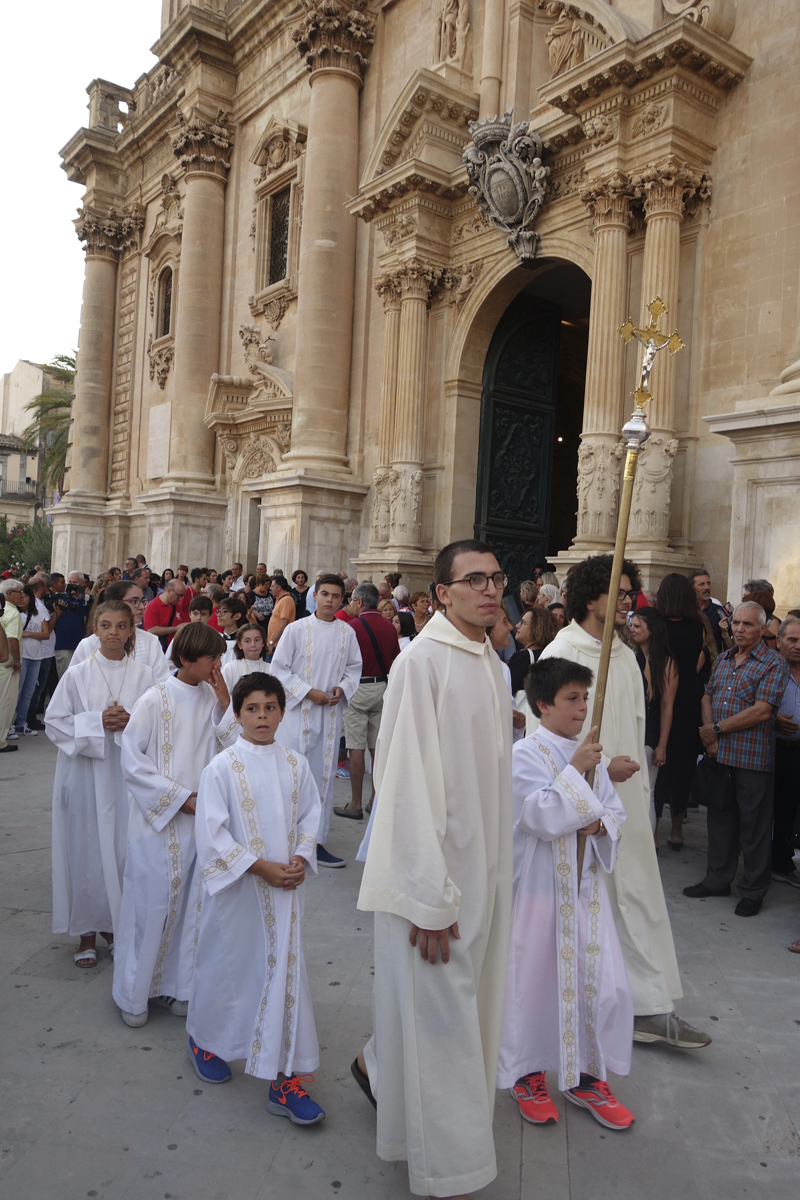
[175, 730]
[85, 718]
[318, 661]
[438, 878]
[256, 827]
[568, 1004]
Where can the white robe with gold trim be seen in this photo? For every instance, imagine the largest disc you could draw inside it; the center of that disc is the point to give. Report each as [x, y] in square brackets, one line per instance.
[174, 732]
[250, 997]
[146, 650]
[568, 1003]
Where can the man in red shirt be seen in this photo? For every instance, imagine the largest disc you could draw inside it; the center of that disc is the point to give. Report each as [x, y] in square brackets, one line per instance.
[164, 614]
[377, 639]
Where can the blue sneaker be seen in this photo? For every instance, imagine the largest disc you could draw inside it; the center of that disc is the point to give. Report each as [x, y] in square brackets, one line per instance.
[290, 1099]
[207, 1067]
[326, 859]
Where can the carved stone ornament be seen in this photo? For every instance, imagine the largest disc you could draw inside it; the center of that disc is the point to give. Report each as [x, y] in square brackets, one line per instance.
[110, 235]
[718, 16]
[467, 278]
[160, 361]
[507, 179]
[335, 34]
[452, 34]
[665, 187]
[651, 491]
[205, 145]
[608, 200]
[599, 131]
[380, 508]
[405, 499]
[171, 211]
[275, 310]
[402, 228]
[599, 467]
[257, 353]
[648, 120]
[281, 142]
[388, 288]
[565, 44]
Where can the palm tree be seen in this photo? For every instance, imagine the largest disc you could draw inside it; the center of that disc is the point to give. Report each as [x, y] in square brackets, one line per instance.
[51, 412]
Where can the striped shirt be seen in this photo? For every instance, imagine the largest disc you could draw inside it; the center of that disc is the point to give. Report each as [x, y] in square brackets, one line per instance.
[762, 676]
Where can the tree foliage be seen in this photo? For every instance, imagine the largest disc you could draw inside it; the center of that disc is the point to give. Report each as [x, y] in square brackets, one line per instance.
[51, 412]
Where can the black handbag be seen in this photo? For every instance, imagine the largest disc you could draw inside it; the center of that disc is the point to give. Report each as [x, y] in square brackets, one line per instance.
[713, 784]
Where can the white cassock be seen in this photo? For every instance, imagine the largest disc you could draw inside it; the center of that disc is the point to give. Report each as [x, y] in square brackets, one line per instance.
[634, 889]
[440, 852]
[147, 650]
[90, 800]
[174, 732]
[250, 997]
[236, 668]
[316, 654]
[568, 1003]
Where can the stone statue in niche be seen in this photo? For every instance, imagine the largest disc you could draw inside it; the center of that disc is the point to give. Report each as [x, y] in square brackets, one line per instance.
[452, 35]
[463, 55]
[565, 44]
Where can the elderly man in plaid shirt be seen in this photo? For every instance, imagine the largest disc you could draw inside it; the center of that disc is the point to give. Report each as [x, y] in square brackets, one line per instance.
[742, 696]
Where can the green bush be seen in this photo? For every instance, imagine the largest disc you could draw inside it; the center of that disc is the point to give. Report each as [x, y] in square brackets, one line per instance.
[22, 547]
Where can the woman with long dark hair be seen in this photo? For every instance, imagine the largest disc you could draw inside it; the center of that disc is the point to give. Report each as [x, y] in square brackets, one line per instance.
[676, 600]
[649, 631]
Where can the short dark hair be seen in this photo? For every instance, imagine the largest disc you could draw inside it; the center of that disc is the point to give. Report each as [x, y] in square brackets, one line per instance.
[329, 581]
[407, 627]
[197, 572]
[238, 652]
[57, 575]
[283, 582]
[238, 565]
[299, 571]
[237, 608]
[549, 675]
[590, 579]
[137, 574]
[201, 604]
[443, 567]
[696, 574]
[257, 681]
[195, 640]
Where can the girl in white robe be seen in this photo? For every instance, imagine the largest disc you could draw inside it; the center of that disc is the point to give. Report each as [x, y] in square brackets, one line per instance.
[174, 731]
[249, 654]
[85, 719]
[256, 801]
[147, 649]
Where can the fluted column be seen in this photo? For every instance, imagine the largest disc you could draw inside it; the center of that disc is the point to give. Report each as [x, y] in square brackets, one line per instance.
[492, 57]
[388, 288]
[599, 457]
[333, 39]
[105, 237]
[203, 147]
[415, 279]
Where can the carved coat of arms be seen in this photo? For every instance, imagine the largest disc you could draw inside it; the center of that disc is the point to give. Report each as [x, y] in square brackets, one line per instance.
[507, 179]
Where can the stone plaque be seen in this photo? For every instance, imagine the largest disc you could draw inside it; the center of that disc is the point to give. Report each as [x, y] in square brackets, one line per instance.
[158, 444]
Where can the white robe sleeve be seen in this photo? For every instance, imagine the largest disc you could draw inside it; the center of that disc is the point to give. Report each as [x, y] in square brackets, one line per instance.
[606, 848]
[309, 807]
[86, 646]
[226, 727]
[406, 872]
[70, 727]
[286, 662]
[351, 676]
[158, 797]
[221, 859]
[545, 807]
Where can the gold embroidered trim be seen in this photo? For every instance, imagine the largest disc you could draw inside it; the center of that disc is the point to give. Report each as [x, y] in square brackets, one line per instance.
[174, 866]
[221, 864]
[165, 748]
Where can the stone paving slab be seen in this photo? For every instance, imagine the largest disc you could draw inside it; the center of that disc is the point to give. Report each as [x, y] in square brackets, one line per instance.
[93, 1108]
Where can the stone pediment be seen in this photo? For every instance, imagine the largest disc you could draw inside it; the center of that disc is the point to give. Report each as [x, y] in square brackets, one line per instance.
[260, 402]
[281, 142]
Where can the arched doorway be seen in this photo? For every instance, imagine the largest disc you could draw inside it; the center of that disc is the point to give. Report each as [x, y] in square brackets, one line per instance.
[531, 419]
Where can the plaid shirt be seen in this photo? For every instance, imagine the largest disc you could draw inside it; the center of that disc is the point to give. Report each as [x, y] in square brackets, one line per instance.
[763, 676]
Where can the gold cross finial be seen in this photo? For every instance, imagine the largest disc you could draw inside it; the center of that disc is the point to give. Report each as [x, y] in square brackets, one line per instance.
[653, 341]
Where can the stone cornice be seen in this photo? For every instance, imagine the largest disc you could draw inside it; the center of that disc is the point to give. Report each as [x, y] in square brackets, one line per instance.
[197, 35]
[89, 148]
[409, 177]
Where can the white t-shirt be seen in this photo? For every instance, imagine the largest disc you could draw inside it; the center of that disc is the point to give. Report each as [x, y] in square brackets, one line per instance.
[238, 584]
[32, 647]
[48, 647]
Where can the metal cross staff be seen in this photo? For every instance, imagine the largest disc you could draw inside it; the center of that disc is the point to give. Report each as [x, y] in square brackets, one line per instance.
[635, 433]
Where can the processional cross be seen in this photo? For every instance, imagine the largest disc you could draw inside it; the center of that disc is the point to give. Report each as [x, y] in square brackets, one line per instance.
[635, 433]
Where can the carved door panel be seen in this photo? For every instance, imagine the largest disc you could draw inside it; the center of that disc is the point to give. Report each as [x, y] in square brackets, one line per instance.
[517, 435]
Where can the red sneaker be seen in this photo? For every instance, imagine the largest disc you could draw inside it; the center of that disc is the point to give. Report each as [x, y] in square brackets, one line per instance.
[601, 1102]
[534, 1100]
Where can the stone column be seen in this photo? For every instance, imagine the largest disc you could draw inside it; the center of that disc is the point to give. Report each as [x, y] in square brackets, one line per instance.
[415, 279]
[492, 57]
[600, 458]
[388, 288]
[333, 47]
[105, 237]
[203, 147]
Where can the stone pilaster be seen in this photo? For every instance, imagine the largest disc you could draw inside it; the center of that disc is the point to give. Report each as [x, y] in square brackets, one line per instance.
[388, 288]
[203, 147]
[333, 38]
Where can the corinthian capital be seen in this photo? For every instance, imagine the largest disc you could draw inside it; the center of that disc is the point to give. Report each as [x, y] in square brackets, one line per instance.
[608, 200]
[335, 34]
[665, 187]
[111, 234]
[203, 145]
[416, 279]
[388, 288]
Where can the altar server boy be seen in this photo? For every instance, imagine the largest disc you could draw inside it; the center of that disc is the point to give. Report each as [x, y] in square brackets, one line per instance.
[258, 811]
[174, 731]
[568, 1004]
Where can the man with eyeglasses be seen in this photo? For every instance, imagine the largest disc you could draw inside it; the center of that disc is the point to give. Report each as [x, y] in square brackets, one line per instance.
[12, 591]
[438, 878]
[634, 890]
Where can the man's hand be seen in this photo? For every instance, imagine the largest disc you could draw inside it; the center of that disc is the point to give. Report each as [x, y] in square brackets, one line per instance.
[190, 808]
[295, 873]
[336, 694]
[785, 726]
[217, 681]
[621, 768]
[588, 753]
[518, 719]
[707, 735]
[316, 696]
[433, 940]
[712, 748]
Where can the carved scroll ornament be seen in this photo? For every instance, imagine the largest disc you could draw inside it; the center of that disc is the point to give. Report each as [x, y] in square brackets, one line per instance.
[507, 179]
[718, 16]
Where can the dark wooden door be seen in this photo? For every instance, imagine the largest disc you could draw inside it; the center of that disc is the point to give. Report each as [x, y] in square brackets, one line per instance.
[517, 436]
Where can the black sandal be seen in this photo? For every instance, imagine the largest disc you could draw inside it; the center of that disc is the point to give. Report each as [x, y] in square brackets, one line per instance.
[363, 1082]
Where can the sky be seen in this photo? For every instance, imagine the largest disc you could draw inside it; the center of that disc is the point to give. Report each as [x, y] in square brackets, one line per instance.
[53, 50]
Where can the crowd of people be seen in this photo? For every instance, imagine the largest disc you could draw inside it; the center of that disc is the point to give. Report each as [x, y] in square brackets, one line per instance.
[201, 718]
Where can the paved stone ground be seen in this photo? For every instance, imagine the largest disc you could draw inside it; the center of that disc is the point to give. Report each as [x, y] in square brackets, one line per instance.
[92, 1108]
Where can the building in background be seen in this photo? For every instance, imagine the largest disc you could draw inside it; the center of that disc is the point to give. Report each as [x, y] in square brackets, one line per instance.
[22, 501]
[338, 311]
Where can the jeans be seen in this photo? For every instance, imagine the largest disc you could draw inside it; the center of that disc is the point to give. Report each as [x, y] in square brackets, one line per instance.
[787, 799]
[46, 665]
[28, 678]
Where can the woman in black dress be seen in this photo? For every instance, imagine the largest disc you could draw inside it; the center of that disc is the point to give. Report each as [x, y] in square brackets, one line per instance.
[648, 630]
[676, 600]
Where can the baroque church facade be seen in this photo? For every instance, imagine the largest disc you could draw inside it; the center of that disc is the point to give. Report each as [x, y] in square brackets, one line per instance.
[355, 272]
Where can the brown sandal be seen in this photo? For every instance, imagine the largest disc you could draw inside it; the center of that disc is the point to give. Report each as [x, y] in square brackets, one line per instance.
[795, 947]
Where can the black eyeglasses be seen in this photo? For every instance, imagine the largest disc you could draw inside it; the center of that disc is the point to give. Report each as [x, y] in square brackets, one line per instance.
[480, 582]
[623, 595]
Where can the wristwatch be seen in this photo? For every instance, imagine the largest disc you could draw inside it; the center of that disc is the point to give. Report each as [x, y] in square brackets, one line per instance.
[716, 728]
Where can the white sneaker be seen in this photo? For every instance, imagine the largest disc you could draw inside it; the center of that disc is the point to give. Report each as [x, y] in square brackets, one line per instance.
[26, 732]
[12, 735]
[134, 1019]
[178, 1008]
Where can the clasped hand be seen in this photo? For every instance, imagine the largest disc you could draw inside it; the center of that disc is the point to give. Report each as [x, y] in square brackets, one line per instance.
[316, 696]
[115, 718]
[286, 876]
